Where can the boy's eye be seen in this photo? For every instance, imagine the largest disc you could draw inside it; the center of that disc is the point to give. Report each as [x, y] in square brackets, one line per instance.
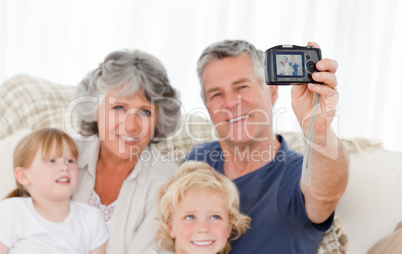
[216, 217]
[190, 217]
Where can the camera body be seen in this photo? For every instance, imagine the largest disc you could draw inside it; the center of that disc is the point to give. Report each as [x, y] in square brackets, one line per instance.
[287, 64]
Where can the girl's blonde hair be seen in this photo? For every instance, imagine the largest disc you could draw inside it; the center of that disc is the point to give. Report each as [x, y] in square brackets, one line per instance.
[41, 140]
[195, 176]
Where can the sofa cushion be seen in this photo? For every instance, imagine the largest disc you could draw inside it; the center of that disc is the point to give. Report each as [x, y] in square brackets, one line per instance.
[391, 244]
[371, 206]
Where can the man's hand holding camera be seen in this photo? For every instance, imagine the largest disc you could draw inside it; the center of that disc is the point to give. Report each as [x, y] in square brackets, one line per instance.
[328, 157]
[303, 100]
[328, 161]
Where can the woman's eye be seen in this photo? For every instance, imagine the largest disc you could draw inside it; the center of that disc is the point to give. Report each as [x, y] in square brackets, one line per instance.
[190, 217]
[118, 108]
[145, 112]
[215, 217]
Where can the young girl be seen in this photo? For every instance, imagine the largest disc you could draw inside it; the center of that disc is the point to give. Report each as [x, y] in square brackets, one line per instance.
[38, 217]
[199, 211]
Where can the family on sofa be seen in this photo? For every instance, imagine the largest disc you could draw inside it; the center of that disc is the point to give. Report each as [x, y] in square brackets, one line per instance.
[136, 107]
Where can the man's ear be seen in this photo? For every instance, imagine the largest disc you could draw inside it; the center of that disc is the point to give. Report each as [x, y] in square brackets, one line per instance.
[21, 176]
[274, 93]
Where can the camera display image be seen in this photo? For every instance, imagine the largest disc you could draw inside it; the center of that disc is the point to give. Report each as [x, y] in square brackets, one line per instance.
[289, 65]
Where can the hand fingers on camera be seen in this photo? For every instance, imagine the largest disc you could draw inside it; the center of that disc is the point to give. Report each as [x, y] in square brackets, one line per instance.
[323, 90]
[326, 78]
[327, 65]
[313, 44]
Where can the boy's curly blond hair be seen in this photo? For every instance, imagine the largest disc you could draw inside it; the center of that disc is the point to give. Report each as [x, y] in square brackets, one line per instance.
[194, 176]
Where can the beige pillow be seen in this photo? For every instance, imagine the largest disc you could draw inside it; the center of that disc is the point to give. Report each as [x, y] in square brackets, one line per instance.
[372, 203]
[7, 146]
[391, 244]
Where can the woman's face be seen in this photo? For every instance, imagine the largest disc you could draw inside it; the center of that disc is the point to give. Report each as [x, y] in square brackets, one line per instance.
[126, 125]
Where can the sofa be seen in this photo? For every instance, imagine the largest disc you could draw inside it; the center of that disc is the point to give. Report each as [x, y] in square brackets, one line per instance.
[368, 211]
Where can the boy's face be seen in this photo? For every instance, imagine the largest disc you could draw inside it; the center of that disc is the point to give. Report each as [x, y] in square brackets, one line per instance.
[200, 223]
[54, 178]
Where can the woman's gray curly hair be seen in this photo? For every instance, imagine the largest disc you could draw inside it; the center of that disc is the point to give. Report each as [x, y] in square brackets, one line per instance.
[132, 70]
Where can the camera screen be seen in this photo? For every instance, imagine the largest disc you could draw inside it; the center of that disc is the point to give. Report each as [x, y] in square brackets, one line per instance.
[289, 64]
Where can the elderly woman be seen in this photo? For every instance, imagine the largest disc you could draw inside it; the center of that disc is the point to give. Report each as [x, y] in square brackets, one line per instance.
[127, 104]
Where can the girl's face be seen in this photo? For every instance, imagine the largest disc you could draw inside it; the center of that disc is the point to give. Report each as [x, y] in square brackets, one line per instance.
[53, 178]
[126, 125]
[200, 223]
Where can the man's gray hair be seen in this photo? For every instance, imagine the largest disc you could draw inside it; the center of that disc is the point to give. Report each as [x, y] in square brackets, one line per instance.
[230, 48]
[132, 71]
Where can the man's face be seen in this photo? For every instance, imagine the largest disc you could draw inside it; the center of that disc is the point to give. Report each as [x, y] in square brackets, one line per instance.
[239, 105]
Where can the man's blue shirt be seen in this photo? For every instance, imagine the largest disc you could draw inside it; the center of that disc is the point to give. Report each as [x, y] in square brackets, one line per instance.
[272, 197]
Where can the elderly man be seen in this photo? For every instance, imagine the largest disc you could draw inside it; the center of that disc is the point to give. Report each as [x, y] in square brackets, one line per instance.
[287, 216]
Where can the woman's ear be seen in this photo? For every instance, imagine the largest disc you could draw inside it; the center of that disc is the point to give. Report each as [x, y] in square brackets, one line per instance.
[21, 176]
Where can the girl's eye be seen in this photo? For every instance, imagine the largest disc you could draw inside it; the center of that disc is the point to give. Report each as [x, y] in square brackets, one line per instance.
[70, 161]
[145, 112]
[51, 160]
[215, 217]
[190, 217]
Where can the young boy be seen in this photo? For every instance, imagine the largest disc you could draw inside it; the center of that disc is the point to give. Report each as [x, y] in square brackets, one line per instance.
[199, 211]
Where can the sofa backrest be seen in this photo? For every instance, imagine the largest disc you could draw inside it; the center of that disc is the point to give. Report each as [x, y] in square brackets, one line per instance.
[32, 103]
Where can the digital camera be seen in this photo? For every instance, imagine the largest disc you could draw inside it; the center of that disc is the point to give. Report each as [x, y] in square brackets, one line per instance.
[287, 64]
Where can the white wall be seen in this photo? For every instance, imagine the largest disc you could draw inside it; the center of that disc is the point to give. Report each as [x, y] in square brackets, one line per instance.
[62, 40]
